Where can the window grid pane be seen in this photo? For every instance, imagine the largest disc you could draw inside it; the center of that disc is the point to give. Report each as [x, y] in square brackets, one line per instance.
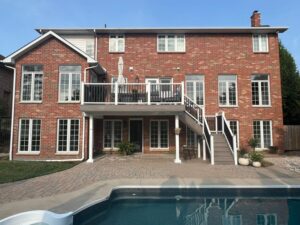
[108, 134]
[36, 135]
[26, 94]
[63, 135]
[64, 87]
[74, 135]
[117, 133]
[267, 133]
[75, 87]
[255, 93]
[265, 93]
[24, 135]
[164, 142]
[38, 87]
[154, 134]
[232, 93]
[222, 93]
[171, 43]
[256, 130]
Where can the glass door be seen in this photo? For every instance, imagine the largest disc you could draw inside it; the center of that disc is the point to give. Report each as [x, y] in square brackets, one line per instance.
[195, 88]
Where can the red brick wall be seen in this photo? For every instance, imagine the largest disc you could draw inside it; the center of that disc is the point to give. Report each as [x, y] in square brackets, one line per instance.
[209, 55]
[52, 53]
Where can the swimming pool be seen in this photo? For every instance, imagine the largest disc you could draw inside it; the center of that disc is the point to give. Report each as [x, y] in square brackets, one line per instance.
[194, 206]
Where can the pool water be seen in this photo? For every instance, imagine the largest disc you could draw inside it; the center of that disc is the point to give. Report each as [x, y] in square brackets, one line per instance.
[171, 206]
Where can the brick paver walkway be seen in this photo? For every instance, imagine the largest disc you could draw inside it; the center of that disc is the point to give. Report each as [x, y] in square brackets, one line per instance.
[136, 167]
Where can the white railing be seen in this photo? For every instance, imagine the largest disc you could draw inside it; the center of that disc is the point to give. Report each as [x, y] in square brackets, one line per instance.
[132, 93]
[194, 110]
[224, 127]
[209, 140]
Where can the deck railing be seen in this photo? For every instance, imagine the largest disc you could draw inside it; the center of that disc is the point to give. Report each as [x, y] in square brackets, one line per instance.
[132, 93]
[193, 109]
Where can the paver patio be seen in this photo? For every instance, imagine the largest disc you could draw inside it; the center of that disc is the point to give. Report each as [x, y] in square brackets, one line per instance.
[70, 189]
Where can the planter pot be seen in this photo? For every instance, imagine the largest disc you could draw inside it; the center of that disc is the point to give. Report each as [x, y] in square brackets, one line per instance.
[244, 161]
[256, 164]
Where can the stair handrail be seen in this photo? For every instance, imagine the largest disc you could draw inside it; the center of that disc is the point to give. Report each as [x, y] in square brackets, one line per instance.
[209, 140]
[188, 102]
[232, 143]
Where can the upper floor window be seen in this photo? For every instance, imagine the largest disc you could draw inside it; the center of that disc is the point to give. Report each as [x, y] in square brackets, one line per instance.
[171, 43]
[195, 88]
[32, 83]
[89, 48]
[227, 90]
[116, 43]
[69, 83]
[260, 43]
[260, 90]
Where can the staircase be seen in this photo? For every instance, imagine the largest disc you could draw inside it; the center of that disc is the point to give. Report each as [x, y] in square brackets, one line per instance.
[221, 145]
[223, 155]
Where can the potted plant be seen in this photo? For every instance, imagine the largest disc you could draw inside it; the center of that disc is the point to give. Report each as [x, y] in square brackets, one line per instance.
[243, 157]
[253, 143]
[256, 158]
[126, 148]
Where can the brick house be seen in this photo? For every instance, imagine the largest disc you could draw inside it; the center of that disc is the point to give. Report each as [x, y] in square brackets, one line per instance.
[82, 91]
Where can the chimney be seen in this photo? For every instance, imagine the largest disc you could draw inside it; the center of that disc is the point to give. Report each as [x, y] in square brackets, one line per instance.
[255, 19]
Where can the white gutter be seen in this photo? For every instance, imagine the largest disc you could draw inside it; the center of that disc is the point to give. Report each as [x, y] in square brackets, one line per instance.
[95, 45]
[12, 113]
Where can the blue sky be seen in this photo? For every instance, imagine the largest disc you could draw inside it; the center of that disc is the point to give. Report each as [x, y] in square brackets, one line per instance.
[19, 18]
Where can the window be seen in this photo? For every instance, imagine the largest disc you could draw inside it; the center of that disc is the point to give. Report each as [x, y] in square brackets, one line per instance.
[69, 83]
[112, 133]
[68, 135]
[89, 47]
[234, 126]
[171, 43]
[227, 90]
[195, 88]
[191, 137]
[234, 220]
[159, 134]
[32, 83]
[266, 219]
[29, 135]
[162, 85]
[116, 43]
[262, 131]
[260, 90]
[260, 43]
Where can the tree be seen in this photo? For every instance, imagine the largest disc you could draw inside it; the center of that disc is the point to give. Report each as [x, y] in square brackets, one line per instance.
[290, 85]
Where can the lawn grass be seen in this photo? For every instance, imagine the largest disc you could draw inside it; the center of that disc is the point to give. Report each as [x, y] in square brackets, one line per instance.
[11, 171]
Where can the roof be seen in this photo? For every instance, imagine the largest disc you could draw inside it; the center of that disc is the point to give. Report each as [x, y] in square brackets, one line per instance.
[11, 58]
[194, 30]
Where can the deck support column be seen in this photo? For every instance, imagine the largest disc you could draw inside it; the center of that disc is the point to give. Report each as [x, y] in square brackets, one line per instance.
[204, 148]
[91, 139]
[198, 146]
[177, 159]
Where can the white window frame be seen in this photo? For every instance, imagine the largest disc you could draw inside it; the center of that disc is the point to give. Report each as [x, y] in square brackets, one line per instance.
[237, 132]
[265, 215]
[117, 47]
[70, 74]
[227, 91]
[113, 133]
[175, 42]
[158, 82]
[159, 148]
[33, 75]
[68, 137]
[262, 144]
[29, 151]
[260, 92]
[259, 36]
[194, 81]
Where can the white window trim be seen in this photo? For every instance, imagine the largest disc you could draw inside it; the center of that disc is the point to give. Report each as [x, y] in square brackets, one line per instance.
[227, 93]
[262, 144]
[70, 87]
[113, 134]
[29, 138]
[67, 152]
[166, 43]
[265, 215]
[237, 131]
[159, 144]
[260, 93]
[33, 74]
[259, 43]
[117, 43]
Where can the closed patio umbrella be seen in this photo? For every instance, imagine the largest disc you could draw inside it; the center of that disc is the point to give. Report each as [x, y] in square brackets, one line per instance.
[121, 79]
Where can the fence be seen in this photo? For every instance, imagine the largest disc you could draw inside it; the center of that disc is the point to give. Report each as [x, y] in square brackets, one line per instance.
[4, 134]
[292, 137]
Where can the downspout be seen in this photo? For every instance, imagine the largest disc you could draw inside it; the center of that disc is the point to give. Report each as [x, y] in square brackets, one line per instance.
[12, 113]
[96, 45]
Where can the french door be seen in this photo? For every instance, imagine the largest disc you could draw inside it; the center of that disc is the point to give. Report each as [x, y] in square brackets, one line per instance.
[195, 88]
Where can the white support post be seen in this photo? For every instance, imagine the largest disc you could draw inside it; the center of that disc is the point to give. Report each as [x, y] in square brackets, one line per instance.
[199, 149]
[204, 148]
[116, 93]
[223, 122]
[91, 139]
[149, 93]
[216, 121]
[182, 92]
[82, 93]
[235, 151]
[212, 150]
[177, 157]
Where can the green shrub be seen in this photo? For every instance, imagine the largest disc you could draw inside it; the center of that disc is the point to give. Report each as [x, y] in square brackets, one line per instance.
[253, 143]
[126, 148]
[256, 156]
[273, 149]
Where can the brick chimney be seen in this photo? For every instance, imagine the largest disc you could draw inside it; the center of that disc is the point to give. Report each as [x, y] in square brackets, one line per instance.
[255, 19]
